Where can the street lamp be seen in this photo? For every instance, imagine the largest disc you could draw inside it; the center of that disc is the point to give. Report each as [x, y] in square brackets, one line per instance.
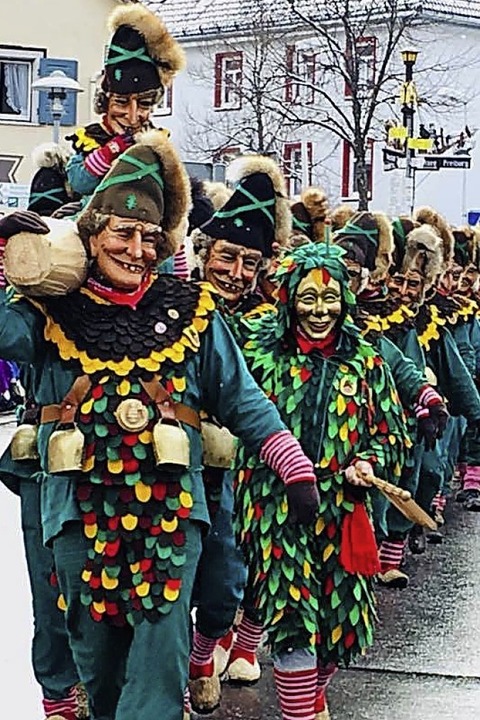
[409, 101]
[57, 84]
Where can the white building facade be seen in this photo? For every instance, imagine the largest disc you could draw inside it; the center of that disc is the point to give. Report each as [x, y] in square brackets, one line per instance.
[205, 106]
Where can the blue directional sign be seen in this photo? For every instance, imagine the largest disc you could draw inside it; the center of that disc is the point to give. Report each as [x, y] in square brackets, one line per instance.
[473, 217]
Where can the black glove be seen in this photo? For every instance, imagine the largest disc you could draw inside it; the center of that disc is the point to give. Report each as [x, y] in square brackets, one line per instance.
[303, 501]
[22, 221]
[68, 210]
[427, 431]
[439, 415]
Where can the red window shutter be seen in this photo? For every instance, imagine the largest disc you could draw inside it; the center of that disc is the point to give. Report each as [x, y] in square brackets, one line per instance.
[345, 169]
[289, 70]
[217, 102]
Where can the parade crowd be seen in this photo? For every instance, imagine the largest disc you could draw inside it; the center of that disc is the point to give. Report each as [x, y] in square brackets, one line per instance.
[240, 410]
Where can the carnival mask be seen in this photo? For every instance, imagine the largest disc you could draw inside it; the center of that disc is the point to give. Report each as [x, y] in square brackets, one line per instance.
[450, 280]
[232, 269]
[125, 251]
[469, 280]
[359, 276]
[318, 304]
[130, 113]
[407, 288]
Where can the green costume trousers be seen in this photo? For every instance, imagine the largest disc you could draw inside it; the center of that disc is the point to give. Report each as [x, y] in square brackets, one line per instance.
[52, 658]
[130, 672]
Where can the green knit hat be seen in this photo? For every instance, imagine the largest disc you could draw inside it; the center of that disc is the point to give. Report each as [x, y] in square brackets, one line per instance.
[149, 183]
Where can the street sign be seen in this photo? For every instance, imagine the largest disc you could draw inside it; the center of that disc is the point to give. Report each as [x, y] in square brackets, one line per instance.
[439, 162]
[473, 217]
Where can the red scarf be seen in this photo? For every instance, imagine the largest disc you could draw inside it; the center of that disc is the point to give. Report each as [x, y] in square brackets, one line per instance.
[121, 297]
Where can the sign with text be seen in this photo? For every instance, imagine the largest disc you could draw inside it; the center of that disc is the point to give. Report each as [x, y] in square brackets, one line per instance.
[439, 162]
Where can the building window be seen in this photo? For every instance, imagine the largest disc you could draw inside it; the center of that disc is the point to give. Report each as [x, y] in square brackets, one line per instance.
[297, 166]
[228, 80]
[165, 106]
[301, 75]
[366, 51]
[17, 69]
[349, 172]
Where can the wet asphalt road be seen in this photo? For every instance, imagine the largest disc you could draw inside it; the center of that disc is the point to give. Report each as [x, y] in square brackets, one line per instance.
[425, 664]
[426, 661]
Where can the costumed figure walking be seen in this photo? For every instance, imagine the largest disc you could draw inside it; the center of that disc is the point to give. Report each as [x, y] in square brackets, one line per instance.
[231, 250]
[129, 358]
[313, 585]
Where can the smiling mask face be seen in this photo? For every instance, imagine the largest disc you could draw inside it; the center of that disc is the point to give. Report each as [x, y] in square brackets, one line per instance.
[232, 269]
[318, 304]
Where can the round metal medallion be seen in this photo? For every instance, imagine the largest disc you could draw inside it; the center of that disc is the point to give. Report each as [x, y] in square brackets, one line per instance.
[132, 415]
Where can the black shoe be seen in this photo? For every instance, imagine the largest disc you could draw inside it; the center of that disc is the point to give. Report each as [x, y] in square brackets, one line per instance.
[472, 500]
[416, 540]
[434, 537]
[461, 496]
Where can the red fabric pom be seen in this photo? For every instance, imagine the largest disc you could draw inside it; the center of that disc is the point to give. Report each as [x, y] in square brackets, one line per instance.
[359, 552]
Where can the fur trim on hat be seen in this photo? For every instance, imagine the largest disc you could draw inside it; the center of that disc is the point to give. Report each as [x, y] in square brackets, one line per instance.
[385, 246]
[427, 215]
[340, 216]
[424, 253]
[176, 193]
[50, 155]
[161, 46]
[251, 164]
[316, 204]
[217, 192]
[471, 241]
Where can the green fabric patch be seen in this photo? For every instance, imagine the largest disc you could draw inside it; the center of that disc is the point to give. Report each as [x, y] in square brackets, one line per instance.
[131, 201]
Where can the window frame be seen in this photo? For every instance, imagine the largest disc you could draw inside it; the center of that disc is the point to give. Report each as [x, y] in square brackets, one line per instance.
[348, 171]
[295, 92]
[219, 101]
[165, 108]
[32, 57]
[288, 150]
[365, 41]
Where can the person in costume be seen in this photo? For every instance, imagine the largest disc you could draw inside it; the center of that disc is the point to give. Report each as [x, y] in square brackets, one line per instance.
[128, 360]
[141, 62]
[312, 586]
[232, 247]
[369, 244]
[435, 313]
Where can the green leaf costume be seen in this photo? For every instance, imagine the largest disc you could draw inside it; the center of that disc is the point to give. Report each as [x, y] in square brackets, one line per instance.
[341, 408]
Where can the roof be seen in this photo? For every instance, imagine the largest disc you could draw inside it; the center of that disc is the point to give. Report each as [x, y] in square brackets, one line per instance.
[206, 18]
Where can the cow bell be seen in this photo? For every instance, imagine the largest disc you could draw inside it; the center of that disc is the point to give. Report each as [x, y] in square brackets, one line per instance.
[218, 445]
[65, 449]
[24, 443]
[171, 446]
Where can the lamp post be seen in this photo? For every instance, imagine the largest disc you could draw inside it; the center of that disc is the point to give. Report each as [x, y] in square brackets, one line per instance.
[409, 102]
[57, 84]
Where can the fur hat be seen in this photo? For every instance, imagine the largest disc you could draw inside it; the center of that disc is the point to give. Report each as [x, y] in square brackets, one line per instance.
[49, 189]
[148, 183]
[258, 212]
[428, 216]
[367, 238]
[401, 227]
[142, 54]
[423, 253]
[217, 192]
[202, 207]
[308, 214]
[466, 250]
[340, 215]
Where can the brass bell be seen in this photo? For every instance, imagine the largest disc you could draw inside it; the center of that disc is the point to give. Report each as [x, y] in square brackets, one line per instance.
[24, 443]
[65, 449]
[219, 445]
[171, 446]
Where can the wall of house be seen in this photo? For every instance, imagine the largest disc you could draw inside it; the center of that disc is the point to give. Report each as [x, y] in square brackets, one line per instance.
[63, 29]
[448, 64]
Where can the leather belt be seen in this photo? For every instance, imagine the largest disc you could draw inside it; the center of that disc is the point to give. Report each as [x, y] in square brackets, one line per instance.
[167, 407]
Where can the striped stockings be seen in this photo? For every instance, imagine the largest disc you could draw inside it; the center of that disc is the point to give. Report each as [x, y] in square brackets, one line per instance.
[324, 676]
[296, 693]
[247, 642]
[391, 554]
[67, 707]
[201, 657]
